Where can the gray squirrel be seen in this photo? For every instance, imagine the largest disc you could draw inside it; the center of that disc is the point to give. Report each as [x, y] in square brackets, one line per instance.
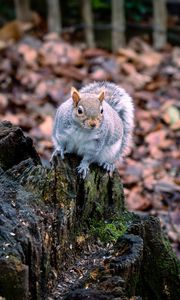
[96, 123]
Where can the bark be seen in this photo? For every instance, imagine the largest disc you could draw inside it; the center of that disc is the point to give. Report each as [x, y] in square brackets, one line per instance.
[160, 23]
[118, 24]
[23, 12]
[45, 212]
[54, 16]
[88, 20]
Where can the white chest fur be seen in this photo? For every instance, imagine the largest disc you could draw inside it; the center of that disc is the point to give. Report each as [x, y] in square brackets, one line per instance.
[81, 141]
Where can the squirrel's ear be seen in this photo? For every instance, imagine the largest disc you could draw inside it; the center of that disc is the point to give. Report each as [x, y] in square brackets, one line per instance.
[101, 96]
[75, 96]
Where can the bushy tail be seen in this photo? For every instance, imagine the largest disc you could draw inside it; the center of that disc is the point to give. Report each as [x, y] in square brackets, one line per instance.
[121, 102]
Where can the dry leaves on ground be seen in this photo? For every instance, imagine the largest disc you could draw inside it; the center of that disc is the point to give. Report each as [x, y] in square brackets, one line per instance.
[36, 76]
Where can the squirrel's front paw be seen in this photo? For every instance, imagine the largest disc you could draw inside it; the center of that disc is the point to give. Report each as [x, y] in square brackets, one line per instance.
[83, 170]
[58, 152]
[109, 167]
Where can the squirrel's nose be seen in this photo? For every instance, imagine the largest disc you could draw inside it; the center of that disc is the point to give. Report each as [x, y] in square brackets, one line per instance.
[93, 125]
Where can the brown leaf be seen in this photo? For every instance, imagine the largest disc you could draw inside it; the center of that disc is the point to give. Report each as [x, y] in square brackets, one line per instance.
[93, 52]
[3, 103]
[136, 201]
[154, 85]
[46, 126]
[155, 152]
[167, 184]
[133, 174]
[156, 138]
[52, 88]
[138, 80]
[142, 114]
[70, 71]
[176, 56]
[3, 45]
[11, 31]
[166, 144]
[149, 182]
[58, 52]
[128, 53]
[145, 125]
[139, 45]
[99, 75]
[14, 119]
[150, 59]
[41, 89]
[28, 78]
[175, 216]
[176, 126]
[29, 54]
[128, 68]
[166, 117]
[143, 95]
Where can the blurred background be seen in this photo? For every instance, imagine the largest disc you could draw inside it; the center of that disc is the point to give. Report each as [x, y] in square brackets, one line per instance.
[48, 46]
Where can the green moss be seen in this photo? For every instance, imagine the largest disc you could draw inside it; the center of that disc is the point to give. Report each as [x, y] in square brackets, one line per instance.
[164, 264]
[108, 231]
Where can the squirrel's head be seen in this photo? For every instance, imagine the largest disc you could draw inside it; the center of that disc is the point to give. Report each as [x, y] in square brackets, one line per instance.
[88, 108]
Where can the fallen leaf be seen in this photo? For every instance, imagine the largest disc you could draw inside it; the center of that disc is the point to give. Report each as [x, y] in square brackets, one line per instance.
[136, 201]
[128, 53]
[29, 54]
[150, 59]
[156, 138]
[28, 78]
[11, 31]
[155, 152]
[46, 126]
[156, 84]
[3, 103]
[94, 52]
[166, 184]
[14, 119]
[149, 182]
[176, 126]
[145, 125]
[176, 56]
[99, 75]
[128, 68]
[138, 80]
[70, 71]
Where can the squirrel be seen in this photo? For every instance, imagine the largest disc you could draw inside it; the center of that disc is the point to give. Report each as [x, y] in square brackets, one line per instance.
[96, 123]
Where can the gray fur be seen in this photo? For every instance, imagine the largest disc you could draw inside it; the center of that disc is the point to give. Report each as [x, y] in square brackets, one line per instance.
[104, 145]
[121, 102]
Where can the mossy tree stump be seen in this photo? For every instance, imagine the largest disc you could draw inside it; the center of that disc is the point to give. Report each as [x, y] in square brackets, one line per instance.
[48, 217]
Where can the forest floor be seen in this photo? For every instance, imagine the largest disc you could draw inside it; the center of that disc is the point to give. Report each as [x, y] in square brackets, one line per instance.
[36, 76]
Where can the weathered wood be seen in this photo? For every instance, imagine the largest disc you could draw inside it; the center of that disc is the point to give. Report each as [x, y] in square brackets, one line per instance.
[14, 147]
[50, 216]
[160, 23]
[118, 24]
[88, 20]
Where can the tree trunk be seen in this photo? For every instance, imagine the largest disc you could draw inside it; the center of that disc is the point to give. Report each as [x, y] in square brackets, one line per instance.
[118, 24]
[160, 23]
[23, 11]
[88, 20]
[54, 16]
[51, 221]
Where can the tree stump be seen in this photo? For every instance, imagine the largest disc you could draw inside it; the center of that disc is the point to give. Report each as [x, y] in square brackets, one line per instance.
[51, 221]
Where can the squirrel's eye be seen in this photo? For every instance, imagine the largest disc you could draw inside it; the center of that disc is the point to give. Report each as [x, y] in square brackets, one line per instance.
[80, 110]
[101, 110]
